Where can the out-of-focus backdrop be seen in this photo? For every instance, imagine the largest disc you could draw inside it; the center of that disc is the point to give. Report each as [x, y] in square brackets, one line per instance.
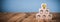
[29, 5]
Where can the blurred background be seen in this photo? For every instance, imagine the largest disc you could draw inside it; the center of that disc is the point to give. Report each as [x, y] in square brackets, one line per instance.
[28, 5]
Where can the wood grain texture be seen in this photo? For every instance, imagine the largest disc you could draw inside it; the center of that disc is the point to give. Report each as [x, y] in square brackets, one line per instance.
[24, 17]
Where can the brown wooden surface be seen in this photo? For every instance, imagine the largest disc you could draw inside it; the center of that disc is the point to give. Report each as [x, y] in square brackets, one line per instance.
[24, 17]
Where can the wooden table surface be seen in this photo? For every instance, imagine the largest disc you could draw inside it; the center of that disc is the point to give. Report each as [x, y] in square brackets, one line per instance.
[24, 17]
